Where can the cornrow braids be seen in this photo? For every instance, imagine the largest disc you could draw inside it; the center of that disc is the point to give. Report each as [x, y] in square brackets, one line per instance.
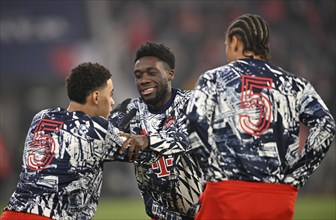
[253, 31]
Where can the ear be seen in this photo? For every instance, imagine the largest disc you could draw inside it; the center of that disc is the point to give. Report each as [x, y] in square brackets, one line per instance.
[235, 43]
[171, 74]
[95, 97]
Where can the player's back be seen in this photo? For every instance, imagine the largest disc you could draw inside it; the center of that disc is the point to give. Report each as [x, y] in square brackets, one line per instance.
[62, 165]
[256, 120]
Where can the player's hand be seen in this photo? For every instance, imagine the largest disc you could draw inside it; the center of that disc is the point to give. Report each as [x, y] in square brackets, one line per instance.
[134, 143]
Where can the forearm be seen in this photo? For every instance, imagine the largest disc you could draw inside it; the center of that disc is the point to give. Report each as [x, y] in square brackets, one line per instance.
[313, 152]
[169, 145]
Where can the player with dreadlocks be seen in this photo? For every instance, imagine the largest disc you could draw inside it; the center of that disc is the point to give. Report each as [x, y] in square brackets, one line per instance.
[246, 117]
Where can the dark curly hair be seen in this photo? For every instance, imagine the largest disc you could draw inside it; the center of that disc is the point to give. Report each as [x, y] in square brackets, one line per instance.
[254, 32]
[84, 79]
[156, 50]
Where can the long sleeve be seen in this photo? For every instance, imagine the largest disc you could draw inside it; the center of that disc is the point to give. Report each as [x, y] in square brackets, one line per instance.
[167, 129]
[174, 140]
[244, 124]
[169, 180]
[316, 116]
[201, 108]
[200, 113]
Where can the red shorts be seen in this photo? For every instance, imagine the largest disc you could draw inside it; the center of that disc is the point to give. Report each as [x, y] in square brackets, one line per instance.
[247, 200]
[13, 215]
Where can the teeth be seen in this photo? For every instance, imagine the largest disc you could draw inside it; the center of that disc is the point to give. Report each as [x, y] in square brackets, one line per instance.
[147, 91]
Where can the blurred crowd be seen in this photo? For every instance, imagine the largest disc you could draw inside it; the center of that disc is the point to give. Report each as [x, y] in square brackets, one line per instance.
[302, 34]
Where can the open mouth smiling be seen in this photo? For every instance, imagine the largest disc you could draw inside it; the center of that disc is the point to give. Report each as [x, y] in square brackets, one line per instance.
[147, 91]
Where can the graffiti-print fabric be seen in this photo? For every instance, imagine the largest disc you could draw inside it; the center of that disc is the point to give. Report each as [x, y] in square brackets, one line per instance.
[62, 168]
[170, 180]
[246, 116]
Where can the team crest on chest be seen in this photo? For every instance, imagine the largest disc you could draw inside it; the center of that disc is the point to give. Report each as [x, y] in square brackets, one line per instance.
[169, 121]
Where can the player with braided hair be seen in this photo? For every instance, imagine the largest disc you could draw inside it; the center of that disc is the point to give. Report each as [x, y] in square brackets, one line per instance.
[244, 129]
[253, 33]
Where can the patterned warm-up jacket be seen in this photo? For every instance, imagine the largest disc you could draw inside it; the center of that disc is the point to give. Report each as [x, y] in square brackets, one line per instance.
[245, 118]
[62, 167]
[170, 181]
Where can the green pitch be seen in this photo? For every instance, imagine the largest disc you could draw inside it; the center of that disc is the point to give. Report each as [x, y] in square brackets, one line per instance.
[315, 208]
[115, 209]
[307, 208]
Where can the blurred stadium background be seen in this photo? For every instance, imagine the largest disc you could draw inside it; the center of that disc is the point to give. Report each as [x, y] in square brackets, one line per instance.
[42, 40]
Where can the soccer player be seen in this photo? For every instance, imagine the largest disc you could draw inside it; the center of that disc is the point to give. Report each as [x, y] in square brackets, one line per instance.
[65, 149]
[246, 117]
[170, 181]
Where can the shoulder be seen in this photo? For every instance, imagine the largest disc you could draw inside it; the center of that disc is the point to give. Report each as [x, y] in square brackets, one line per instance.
[287, 79]
[135, 102]
[182, 98]
[99, 121]
[182, 93]
[209, 78]
[47, 113]
[138, 104]
[213, 74]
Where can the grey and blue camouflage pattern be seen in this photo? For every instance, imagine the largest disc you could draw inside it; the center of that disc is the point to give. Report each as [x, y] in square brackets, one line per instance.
[62, 167]
[245, 118]
[170, 180]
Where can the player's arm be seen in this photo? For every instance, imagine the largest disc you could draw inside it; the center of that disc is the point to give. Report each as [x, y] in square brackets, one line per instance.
[121, 116]
[174, 140]
[200, 113]
[316, 116]
[123, 146]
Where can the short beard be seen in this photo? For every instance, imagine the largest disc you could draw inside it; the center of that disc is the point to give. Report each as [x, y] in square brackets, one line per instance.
[159, 97]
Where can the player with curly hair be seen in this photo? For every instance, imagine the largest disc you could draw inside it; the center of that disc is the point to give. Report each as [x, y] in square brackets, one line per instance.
[65, 149]
[170, 180]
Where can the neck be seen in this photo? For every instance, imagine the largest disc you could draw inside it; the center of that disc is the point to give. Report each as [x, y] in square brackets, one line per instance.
[77, 107]
[250, 54]
[162, 104]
